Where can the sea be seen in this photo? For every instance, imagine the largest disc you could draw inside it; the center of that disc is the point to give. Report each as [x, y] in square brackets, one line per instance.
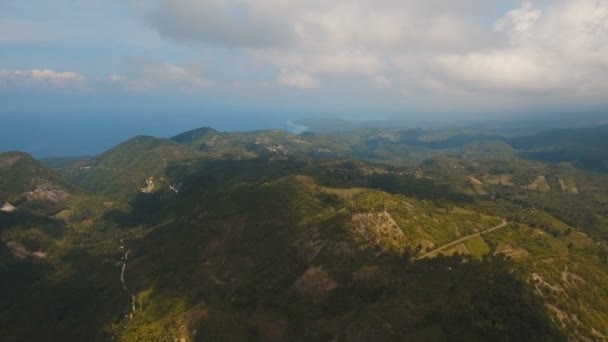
[87, 134]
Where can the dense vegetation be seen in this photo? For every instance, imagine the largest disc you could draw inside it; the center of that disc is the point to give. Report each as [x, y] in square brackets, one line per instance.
[585, 148]
[356, 235]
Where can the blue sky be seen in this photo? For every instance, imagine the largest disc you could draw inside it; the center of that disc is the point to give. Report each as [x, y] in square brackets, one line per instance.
[243, 58]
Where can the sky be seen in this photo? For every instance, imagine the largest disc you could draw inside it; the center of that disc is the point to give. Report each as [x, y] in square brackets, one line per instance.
[243, 64]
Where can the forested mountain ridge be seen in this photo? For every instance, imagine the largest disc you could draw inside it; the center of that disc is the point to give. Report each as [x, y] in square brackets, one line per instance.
[138, 163]
[266, 236]
[25, 181]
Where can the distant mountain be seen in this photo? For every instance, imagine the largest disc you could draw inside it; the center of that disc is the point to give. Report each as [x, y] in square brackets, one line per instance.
[137, 165]
[241, 145]
[402, 147]
[22, 178]
[357, 235]
[193, 137]
[583, 147]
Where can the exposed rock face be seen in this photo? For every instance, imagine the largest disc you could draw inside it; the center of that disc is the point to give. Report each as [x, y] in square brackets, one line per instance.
[46, 195]
[567, 186]
[149, 186]
[7, 208]
[315, 282]
[367, 273]
[562, 184]
[540, 184]
[477, 184]
[20, 252]
[10, 160]
[500, 179]
[377, 230]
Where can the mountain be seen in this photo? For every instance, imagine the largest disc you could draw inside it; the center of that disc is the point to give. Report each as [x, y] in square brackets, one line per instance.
[291, 256]
[241, 145]
[23, 179]
[137, 165]
[583, 147]
[570, 194]
[353, 235]
[195, 137]
[368, 144]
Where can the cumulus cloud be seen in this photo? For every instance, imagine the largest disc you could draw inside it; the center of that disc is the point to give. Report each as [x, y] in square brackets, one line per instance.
[512, 71]
[243, 23]
[519, 20]
[297, 79]
[144, 75]
[316, 37]
[139, 75]
[453, 47]
[562, 50]
[16, 79]
[408, 49]
[272, 23]
[50, 75]
[381, 81]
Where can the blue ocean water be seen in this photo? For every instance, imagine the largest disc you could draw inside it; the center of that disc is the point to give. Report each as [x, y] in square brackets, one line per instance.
[76, 134]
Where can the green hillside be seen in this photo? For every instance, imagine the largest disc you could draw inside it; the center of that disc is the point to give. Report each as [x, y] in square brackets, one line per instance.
[290, 258]
[272, 236]
[585, 148]
[367, 144]
[23, 179]
[350, 240]
[137, 165]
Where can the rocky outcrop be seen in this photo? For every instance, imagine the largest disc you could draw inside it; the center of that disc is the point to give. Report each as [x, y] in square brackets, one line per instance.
[377, 231]
[7, 208]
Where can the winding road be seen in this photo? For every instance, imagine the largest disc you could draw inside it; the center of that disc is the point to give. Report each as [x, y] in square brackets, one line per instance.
[122, 280]
[460, 240]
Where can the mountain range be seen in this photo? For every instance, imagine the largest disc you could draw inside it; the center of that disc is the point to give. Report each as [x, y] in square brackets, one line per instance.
[350, 235]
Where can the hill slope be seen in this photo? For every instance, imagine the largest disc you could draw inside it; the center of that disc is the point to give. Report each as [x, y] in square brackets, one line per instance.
[137, 165]
[265, 252]
[263, 241]
[22, 178]
[288, 258]
[585, 148]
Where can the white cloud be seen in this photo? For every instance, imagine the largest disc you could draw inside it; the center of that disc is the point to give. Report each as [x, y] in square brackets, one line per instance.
[242, 23]
[380, 81]
[140, 75]
[519, 20]
[117, 78]
[316, 37]
[297, 79]
[465, 49]
[438, 47]
[50, 75]
[322, 62]
[561, 51]
[40, 78]
[510, 71]
[144, 75]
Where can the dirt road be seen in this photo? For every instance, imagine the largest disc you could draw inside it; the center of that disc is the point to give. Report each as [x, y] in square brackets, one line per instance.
[460, 240]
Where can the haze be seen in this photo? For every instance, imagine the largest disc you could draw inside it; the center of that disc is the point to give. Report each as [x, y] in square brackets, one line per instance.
[118, 68]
